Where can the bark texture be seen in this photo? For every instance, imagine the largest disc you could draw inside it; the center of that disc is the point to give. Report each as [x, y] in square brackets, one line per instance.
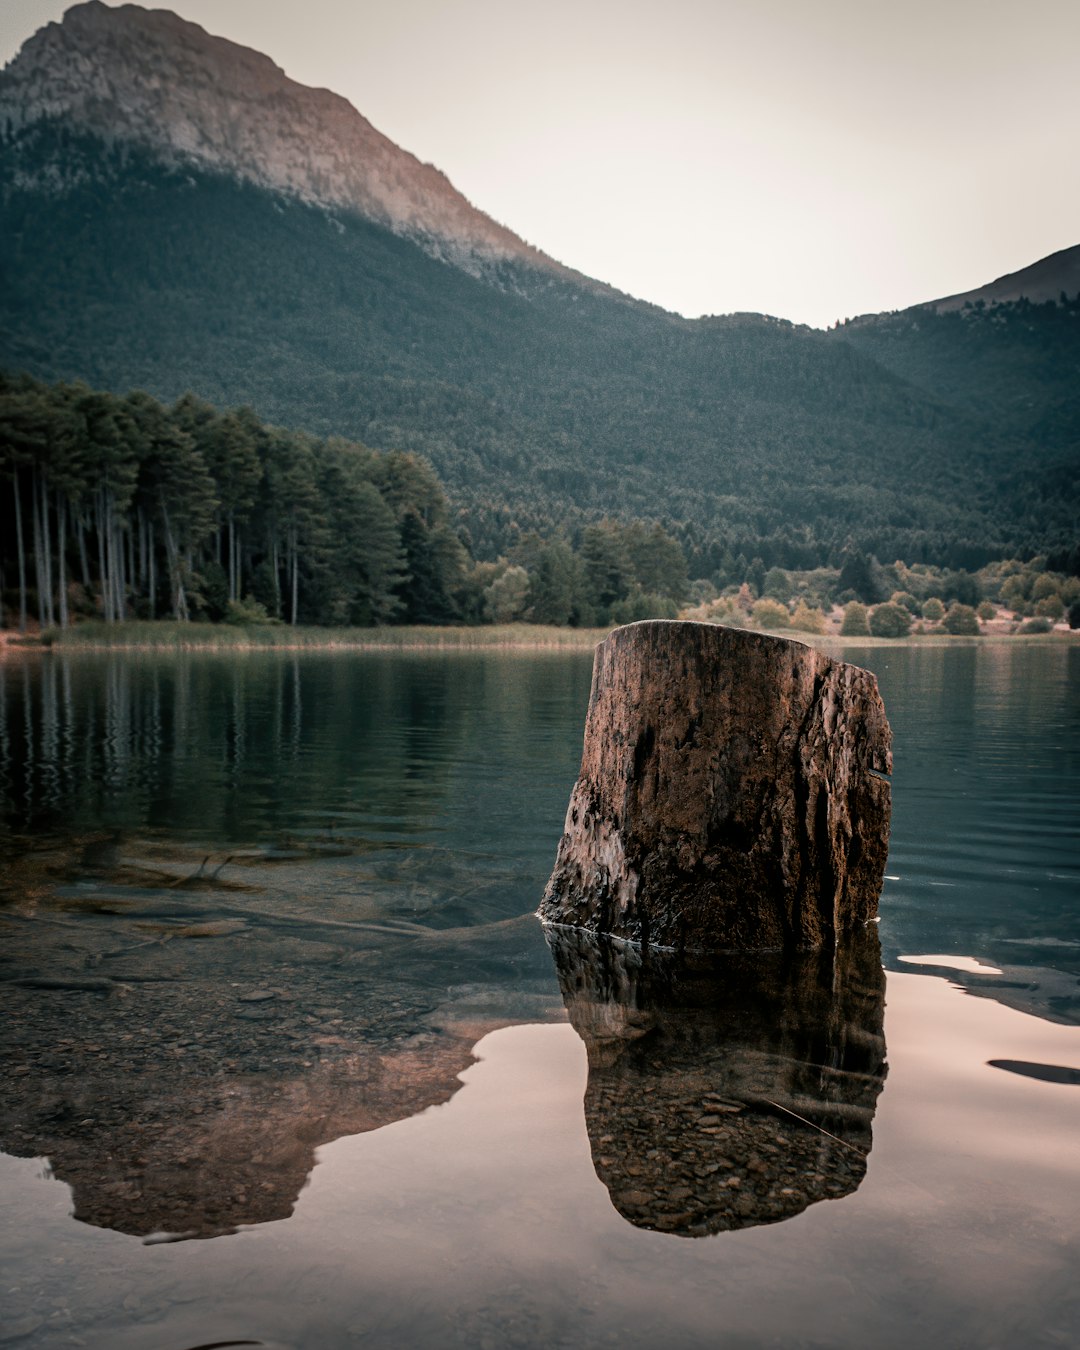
[728, 795]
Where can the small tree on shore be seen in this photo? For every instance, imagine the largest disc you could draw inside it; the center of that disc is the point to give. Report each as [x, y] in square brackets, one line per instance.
[1051, 607]
[962, 621]
[854, 624]
[890, 621]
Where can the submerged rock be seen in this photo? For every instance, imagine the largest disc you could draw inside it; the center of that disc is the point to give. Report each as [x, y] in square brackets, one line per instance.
[728, 795]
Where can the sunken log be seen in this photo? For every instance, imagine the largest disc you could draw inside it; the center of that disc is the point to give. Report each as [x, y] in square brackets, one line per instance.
[728, 796]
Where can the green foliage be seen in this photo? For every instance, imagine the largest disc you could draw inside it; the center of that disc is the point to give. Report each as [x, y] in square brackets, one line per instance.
[1015, 591]
[933, 610]
[860, 575]
[657, 561]
[961, 621]
[771, 614]
[1051, 607]
[1040, 625]
[777, 585]
[807, 619]
[505, 599]
[558, 590]
[986, 610]
[907, 600]
[855, 620]
[212, 516]
[212, 587]
[890, 621]
[631, 569]
[298, 529]
[639, 605]
[245, 612]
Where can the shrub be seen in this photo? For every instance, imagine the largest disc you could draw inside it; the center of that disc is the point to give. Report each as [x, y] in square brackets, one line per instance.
[854, 624]
[961, 621]
[809, 620]
[1043, 587]
[986, 611]
[906, 599]
[771, 614]
[246, 611]
[1050, 607]
[1013, 592]
[933, 610]
[1039, 625]
[1074, 615]
[640, 605]
[890, 621]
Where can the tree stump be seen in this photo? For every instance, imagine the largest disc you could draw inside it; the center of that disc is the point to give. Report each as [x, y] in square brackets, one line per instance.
[729, 795]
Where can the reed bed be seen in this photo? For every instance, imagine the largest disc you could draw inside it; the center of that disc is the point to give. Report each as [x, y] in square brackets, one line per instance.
[187, 637]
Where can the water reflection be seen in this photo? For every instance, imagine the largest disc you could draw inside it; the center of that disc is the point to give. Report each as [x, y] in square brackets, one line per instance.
[727, 1093]
[182, 1036]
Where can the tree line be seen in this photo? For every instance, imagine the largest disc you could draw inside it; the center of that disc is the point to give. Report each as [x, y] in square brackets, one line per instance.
[117, 507]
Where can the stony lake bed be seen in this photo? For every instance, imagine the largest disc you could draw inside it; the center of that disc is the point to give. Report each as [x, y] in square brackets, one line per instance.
[288, 1060]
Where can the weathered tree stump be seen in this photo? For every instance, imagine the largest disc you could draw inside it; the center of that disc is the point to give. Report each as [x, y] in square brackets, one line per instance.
[728, 796]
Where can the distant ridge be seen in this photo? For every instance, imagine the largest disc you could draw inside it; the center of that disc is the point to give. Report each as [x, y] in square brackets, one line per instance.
[1048, 279]
[152, 79]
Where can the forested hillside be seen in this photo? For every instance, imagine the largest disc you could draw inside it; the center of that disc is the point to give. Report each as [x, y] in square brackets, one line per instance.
[1015, 366]
[540, 403]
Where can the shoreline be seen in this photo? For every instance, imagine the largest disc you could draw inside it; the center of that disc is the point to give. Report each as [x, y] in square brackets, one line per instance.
[144, 638]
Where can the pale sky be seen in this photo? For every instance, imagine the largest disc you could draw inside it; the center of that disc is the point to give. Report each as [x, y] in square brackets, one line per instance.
[812, 159]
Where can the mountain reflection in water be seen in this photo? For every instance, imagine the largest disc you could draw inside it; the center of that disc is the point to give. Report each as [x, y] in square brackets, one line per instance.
[730, 1092]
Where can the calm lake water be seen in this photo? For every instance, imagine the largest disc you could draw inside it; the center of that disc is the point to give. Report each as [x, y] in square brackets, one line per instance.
[288, 1061]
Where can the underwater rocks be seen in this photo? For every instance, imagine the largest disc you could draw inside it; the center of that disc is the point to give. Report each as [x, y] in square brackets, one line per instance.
[729, 1091]
[728, 796]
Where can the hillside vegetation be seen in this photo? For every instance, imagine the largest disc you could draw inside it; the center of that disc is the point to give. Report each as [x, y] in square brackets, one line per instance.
[540, 404]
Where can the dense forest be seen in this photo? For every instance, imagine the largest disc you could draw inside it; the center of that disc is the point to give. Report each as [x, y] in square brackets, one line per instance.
[118, 507]
[542, 405]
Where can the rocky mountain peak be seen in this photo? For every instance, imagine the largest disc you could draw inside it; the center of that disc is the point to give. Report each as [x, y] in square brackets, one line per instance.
[151, 78]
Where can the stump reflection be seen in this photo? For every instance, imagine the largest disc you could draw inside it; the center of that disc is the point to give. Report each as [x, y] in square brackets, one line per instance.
[727, 1092]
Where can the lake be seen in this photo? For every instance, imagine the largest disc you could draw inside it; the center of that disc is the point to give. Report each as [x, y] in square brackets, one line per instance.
[289, 1062]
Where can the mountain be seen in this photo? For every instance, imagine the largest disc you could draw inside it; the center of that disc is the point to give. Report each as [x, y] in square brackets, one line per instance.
[1055, 278]
[1006, 354]
[150, 79]
[176, 214]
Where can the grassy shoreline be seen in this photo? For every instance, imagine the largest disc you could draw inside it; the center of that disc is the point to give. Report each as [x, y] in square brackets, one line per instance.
[161, 636]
